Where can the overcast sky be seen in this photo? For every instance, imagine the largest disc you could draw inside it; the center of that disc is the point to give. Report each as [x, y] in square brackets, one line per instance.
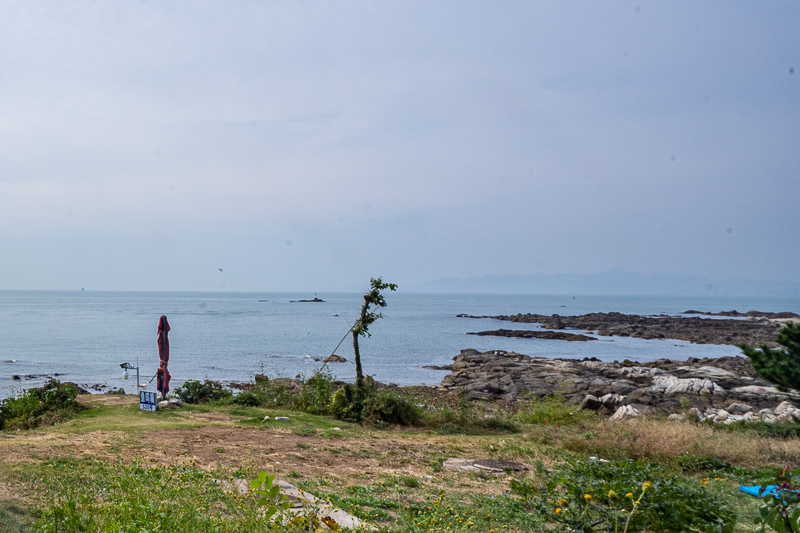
[144, 145]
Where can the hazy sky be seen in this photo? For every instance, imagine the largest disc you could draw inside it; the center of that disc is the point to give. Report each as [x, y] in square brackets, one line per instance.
[144, 145]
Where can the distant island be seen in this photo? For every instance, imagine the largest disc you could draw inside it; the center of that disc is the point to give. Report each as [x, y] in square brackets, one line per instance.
[314, 300]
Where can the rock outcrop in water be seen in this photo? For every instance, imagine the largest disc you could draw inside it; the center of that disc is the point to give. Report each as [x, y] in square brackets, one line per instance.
[645, 387]
[525, 334]
[755, 331]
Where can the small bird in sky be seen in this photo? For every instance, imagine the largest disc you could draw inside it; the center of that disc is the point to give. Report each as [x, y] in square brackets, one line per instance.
[220, 270]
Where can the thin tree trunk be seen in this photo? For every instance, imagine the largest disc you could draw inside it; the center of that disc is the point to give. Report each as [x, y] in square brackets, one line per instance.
[359, 372]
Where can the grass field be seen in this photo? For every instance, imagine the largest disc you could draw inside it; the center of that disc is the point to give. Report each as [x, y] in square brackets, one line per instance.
[112, 467]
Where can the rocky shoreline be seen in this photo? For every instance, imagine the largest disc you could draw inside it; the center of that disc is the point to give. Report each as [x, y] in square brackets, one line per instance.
[726, 388]
[757, 329]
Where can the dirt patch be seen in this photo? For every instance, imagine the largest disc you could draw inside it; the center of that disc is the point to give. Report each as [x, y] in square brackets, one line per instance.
[280, 450]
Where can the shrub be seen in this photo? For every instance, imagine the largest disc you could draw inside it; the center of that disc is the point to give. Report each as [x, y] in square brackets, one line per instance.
[349, 403]
[247, 399]
[195, 392]
[387, 407]
[596, 496]
[780, 366]
[316, 395]
[35, 407]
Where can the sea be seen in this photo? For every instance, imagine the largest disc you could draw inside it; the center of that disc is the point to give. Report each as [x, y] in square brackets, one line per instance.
[84, 336]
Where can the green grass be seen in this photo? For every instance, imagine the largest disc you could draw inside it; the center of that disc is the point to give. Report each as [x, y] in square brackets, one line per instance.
[420, 497]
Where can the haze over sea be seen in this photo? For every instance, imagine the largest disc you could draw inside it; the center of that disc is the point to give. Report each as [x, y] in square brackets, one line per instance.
[84, 336]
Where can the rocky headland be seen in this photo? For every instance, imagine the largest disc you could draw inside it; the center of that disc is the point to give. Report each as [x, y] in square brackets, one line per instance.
[758, 328]
[725, 388]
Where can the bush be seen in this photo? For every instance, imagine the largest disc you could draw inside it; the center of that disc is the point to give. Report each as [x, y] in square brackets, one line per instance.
[594, 496]
[195, 392]
[247, 399]
[39, 406]
[387, 407]
[316, 395]
[348, 403]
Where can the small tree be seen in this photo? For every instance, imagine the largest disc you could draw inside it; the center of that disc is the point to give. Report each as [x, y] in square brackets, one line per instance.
[780, 366]
[361, 328]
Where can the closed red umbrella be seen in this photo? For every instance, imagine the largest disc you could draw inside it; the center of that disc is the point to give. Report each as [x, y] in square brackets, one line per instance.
[162, 374]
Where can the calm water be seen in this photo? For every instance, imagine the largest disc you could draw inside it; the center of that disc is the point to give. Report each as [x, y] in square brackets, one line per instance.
[84, 336]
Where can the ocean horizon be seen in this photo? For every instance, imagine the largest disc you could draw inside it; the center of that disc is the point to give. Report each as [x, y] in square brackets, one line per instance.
[84, 336]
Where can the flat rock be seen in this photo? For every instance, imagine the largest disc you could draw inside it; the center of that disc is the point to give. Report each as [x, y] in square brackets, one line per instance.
[494, 466]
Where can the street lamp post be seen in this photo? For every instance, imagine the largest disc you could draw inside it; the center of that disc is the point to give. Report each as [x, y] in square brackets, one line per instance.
[127, 366]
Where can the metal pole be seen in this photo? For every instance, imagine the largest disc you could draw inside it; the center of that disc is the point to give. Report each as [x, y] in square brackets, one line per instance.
[137, 376]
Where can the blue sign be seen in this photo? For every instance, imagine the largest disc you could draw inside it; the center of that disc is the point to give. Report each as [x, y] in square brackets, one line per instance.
[147, 401]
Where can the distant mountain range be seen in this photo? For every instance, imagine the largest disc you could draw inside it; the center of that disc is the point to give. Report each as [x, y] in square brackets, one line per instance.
[612, 282]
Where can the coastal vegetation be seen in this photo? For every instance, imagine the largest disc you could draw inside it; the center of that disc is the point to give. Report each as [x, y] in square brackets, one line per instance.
[38, 406]
[779, 365]
[111, 467]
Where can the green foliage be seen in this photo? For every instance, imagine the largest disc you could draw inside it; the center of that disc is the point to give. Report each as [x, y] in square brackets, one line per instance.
[271, 498]
[350, 402]
[378, 407]
[467, 420]
[597, 496]
[776, 365]
[316, 395]
[373, 298]
[789, 429]
[781, 512]
[388, 407]
[137, 496]
[247, 399]
[208, 391]
[553, 410]
[713, 467]
[39, 406]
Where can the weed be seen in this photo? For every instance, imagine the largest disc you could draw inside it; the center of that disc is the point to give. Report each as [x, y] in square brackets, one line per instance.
[410, 482]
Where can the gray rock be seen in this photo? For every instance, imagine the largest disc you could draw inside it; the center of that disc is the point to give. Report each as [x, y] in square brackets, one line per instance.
[739, 408]
[784, 407]
[625, 412]
[591, 403]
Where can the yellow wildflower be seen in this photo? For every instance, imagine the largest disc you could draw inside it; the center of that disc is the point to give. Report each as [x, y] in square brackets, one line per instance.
[558, 510]
[587, 497]
[647, 486]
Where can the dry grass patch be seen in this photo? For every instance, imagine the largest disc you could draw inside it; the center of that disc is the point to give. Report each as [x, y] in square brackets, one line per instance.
[655, 440]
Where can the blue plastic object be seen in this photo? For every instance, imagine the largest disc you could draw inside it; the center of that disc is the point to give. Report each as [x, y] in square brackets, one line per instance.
[755, 490]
